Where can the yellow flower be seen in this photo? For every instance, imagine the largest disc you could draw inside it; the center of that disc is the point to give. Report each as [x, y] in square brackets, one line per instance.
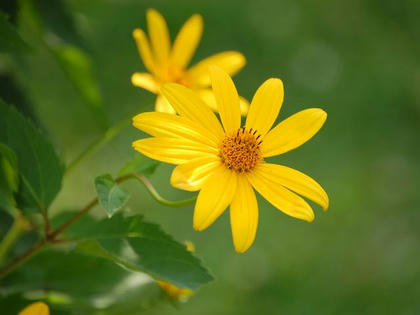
[227, 163]
[175, 292]
[168, 64]
[37, 308]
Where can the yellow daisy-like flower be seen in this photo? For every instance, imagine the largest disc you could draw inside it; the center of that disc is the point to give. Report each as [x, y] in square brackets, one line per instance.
[226, 163]
[168, 64]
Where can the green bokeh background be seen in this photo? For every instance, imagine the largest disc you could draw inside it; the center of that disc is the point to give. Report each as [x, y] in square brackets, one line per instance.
[358, 60]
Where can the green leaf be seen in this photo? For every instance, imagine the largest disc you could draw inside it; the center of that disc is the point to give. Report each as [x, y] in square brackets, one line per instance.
[11, 42]
[81, 283]
[40, 170]
[138, 245]
[111, 196]
[139, 164]
[78, 66]
[9, 179]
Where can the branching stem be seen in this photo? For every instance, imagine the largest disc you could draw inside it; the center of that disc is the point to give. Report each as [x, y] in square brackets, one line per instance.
[52, 237]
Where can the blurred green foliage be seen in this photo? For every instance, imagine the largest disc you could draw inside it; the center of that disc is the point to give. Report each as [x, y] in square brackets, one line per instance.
[358, 60]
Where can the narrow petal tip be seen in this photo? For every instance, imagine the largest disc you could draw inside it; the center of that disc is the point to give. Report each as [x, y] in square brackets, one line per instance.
[133, 78]
[319, 112]
[241, 58]
[309, 218]
[197, 18]
[198, 227]
[137, 33]
[275, 82]
[241, 249]
[151, 11]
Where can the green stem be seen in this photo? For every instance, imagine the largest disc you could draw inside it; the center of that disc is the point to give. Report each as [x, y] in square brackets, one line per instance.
[153, 192]
[110, 134]
[12, 235]
[31, 252]
[23, 258]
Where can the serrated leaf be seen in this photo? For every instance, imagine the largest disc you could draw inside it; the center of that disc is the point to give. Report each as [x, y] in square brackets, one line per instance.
[9, 179]
[139, 164]
[40, 170]
[111, 196]
[78, 66]
[138, 245]
[11, 42]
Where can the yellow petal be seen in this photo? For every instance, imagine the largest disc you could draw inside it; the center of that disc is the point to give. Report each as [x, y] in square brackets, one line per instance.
[37, 308]
[207, 96]
[243, 215]
[172, 150]
[145, 81]
[186, 41]
[191, 175]
[144, 49]
[189, 104]
[265, 106]
[295, 181]
[227, 99]
[173, 126]
[159, 36]
[230, 61]
[162, 105]
[293, 131]
[214, 197]
[281, 198]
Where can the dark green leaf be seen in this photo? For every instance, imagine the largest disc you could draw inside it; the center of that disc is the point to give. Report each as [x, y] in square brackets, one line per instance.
[111, 196]
[58, 19]
[10, 40]
[78, 67]
[40, 170]
[139, 164]
[81, 283]
[163, 259]
[9, 179]
[141, 246]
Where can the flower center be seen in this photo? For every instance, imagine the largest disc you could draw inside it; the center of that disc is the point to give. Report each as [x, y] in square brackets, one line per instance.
[176, 75]
[241, 152]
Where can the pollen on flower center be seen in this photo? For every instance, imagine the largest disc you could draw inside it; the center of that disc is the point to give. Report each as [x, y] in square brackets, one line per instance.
[241, 151]
[175, 75]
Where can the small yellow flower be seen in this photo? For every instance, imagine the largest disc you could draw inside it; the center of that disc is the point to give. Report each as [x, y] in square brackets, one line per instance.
[226, 162]
[175, 292]
[37, 308]
[169, 64]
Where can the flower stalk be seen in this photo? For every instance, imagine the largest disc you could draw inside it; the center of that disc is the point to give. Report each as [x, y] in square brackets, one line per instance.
[15, 231]
[110, 134]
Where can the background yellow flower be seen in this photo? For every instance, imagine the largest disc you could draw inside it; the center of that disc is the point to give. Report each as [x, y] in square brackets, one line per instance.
[168, 63]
